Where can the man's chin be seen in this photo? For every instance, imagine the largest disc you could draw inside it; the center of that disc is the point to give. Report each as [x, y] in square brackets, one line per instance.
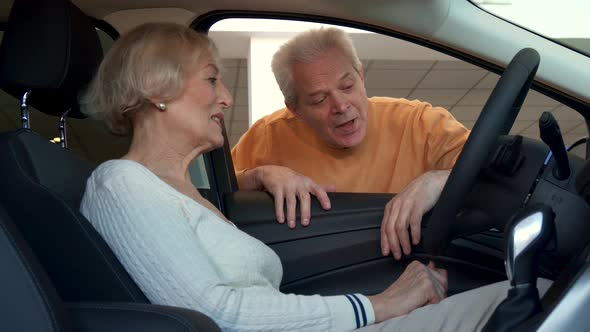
[349, 142]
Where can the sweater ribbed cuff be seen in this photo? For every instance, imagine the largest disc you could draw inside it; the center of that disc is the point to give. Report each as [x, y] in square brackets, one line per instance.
[350, 312]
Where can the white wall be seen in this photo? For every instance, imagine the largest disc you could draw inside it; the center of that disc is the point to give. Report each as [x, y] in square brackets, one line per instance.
[264, 94]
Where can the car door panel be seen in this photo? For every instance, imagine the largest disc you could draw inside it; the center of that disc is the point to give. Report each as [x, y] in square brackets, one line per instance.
[340, 250]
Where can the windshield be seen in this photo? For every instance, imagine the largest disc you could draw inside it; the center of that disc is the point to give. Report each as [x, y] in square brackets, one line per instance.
[566, 21]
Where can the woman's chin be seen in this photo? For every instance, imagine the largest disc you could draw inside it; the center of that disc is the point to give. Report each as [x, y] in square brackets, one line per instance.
[217, 144]
[220, 142]
[212, 144]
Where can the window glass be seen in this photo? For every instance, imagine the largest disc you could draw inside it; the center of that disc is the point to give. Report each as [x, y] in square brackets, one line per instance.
[392, 67]
[198, 173]
[568, 24]
[106, 41]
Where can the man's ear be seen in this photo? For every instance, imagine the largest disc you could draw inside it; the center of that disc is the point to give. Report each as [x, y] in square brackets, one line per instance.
[293, 109]
[361, 73]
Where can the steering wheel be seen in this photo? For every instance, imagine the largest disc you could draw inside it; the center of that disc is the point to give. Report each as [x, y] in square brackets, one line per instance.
[496, 118]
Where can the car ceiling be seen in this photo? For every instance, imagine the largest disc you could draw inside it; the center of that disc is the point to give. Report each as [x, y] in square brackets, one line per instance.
[446, 23]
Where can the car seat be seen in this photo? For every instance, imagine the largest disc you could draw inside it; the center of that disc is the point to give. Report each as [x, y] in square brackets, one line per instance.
[29, 302]
[51, 49]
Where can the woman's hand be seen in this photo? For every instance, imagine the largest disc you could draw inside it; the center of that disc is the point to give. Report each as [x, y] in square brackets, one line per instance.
[419, 285]
[287, 186]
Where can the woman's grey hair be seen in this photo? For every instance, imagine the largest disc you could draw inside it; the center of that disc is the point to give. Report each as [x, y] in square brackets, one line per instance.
[151, 61]
[307, 47]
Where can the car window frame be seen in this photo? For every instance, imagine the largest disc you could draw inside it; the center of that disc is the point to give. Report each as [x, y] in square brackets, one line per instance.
[224, 181]
[204, 22]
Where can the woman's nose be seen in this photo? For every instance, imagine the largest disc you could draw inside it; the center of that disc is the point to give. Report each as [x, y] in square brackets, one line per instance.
[225, 97]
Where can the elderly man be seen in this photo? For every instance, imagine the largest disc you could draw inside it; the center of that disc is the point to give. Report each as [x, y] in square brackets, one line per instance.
[330, 133]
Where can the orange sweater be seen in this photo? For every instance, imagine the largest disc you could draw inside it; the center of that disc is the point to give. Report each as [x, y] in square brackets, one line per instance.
[404, 140]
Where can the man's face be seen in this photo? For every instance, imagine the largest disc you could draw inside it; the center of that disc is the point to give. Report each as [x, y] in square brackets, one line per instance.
[332, 99]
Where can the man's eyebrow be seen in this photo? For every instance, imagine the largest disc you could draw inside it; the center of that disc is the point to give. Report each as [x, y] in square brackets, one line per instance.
[346, 75]
[319, 92]
[316, 93]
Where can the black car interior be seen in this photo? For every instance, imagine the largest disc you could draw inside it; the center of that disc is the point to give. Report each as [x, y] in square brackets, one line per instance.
[69, 278]
[42, 186]
[42, 182]
[29, 301]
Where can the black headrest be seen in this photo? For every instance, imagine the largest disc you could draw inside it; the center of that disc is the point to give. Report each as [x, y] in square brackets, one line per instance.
[51, 48]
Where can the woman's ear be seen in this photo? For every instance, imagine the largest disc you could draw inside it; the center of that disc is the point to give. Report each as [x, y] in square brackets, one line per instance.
[158, 103]
[161, 106]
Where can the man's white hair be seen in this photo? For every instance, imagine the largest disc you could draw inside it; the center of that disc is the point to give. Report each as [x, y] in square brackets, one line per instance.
[307, 47]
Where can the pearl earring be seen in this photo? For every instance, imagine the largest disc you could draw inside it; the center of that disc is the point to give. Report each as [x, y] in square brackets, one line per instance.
[162, 106]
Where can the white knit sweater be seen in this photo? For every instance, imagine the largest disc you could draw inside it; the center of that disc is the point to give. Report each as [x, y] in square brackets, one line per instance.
[182, 254]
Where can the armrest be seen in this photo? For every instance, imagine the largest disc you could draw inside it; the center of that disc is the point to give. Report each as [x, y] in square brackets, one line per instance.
[254, 213]
[143, 317]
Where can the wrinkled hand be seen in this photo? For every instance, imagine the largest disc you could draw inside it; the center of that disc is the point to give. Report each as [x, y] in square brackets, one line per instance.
[289, 186]
[419, 285]
[406, 209]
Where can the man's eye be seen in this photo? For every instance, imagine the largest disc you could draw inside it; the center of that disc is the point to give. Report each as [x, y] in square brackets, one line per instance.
[212, 80]
[348, 87]
[318, 101]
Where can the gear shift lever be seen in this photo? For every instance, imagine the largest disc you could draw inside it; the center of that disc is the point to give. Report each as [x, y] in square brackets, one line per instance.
[527, 235]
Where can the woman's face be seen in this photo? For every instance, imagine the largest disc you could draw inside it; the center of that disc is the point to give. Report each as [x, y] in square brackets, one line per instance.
[198, 112]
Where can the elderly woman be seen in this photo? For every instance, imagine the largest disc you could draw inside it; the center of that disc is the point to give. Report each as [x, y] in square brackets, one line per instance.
[161, 84]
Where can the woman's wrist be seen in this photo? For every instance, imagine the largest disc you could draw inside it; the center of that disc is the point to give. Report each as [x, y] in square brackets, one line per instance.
[377, 304]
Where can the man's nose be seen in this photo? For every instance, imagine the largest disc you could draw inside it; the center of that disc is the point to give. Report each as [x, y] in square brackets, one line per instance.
[340, 103]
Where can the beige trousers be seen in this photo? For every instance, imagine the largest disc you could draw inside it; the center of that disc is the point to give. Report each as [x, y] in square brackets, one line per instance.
[468, 311]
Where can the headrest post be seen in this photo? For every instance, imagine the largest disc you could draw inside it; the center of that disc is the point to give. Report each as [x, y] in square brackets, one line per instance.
[63, 138]
[24, 110]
